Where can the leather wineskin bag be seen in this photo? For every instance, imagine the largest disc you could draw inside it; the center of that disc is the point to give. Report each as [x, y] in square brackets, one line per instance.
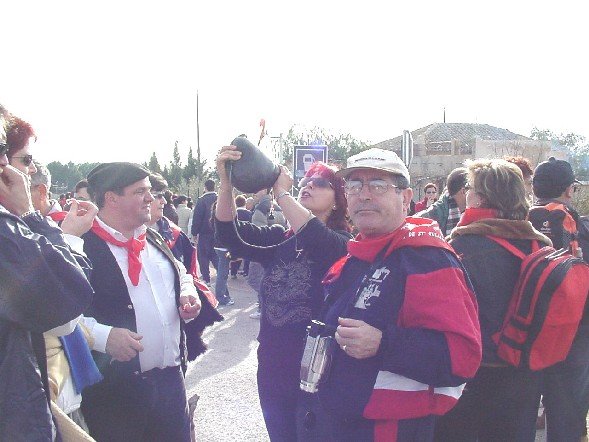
[254, 171]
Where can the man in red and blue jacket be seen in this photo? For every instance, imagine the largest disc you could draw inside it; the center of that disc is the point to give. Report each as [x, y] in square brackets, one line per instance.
[407, 323]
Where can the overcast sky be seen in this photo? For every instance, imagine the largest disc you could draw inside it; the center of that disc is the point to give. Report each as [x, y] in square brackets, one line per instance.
[117, 80]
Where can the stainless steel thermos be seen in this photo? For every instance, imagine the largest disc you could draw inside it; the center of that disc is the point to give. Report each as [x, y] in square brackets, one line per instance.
[317, 356]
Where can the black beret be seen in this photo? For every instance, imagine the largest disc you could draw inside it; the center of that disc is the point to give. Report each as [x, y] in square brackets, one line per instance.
[556, 172]
[111, 176]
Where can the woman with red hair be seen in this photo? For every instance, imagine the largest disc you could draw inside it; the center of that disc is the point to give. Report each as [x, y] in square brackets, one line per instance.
[431, 196]
[291, 292]
[19, 138]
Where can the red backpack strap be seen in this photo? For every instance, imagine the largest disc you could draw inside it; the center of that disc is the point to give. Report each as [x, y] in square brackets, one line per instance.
[511, 248]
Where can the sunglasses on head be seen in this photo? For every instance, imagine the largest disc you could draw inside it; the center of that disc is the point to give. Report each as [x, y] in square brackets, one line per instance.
[3, 149]
[25, 159]
[317, 182]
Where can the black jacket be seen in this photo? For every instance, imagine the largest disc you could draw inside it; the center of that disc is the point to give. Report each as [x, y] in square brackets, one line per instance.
[42, 286]
[201, 218]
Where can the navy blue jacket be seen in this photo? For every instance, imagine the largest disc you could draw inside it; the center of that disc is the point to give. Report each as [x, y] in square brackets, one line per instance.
[42, 287]
[201, 217]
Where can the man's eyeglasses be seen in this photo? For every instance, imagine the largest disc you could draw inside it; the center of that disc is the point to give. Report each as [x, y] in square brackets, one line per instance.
[376, 187]
[159, 195]
[3, 149]
[25, 159]
[317, 182]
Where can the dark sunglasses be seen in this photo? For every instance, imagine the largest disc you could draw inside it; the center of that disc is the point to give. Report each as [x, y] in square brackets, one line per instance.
[3, 149]
[317, 182]
[26, 159]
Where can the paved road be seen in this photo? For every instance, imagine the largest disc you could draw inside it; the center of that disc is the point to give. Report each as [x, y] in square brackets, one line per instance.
[225, 376]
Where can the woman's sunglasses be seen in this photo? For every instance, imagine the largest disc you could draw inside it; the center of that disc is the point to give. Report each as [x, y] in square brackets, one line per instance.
[3, 149]
[317, 182]
[25, 159]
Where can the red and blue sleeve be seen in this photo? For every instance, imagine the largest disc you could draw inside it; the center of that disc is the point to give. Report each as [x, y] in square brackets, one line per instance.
[437, 338]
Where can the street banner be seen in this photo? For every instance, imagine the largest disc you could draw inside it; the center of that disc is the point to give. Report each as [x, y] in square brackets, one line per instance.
[304, 157]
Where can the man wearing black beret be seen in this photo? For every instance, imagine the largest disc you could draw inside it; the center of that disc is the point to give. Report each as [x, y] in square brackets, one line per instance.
[143, 296]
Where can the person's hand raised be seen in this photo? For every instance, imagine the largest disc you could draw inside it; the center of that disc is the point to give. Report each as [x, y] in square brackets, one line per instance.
[283, 182]
[227, 153]
[79, 218]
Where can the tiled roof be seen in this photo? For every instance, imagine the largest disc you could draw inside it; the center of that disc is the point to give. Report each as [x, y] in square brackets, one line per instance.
[464, 132]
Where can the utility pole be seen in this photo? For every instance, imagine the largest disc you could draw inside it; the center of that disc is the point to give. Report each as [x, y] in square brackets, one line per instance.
[198, 145]
[197, 131]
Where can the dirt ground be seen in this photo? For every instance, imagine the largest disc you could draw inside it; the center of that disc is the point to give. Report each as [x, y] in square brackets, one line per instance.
[225, 376]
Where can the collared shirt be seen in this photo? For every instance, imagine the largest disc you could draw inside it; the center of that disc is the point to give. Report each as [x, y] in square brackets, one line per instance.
[154, 303]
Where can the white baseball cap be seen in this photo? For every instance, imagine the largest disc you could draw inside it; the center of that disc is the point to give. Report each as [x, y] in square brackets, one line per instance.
[378, 159]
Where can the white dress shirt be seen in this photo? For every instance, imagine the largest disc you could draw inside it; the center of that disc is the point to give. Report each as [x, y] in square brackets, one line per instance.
[154, 303]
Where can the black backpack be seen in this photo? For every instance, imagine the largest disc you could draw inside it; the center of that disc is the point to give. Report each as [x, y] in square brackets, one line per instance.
[583, 238]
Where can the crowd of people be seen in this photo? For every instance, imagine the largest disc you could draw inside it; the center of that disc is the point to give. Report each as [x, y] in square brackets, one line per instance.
[106, 292]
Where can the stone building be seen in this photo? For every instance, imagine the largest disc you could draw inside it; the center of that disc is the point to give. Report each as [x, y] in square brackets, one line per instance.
[441, 147]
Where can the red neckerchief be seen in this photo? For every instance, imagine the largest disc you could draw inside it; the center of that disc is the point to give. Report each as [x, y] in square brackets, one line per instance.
[472, 214]
[366, 249]
[134, 247]
[415, 232]
[57, 216]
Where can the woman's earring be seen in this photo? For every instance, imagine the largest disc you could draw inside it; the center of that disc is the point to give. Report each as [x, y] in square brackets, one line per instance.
[334, 208]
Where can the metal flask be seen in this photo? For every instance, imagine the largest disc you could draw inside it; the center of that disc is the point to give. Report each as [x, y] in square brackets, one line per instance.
[254, 171]
[317, 356]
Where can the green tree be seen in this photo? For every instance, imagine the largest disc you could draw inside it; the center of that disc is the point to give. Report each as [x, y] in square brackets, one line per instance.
[154, 164]
[577, 147]
[64, 177]
[166, 173]
[175, 169]
[190, 171]
[85, 168]
[193, 173]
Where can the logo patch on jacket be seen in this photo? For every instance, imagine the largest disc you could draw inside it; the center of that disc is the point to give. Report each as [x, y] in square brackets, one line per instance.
[372, 288]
